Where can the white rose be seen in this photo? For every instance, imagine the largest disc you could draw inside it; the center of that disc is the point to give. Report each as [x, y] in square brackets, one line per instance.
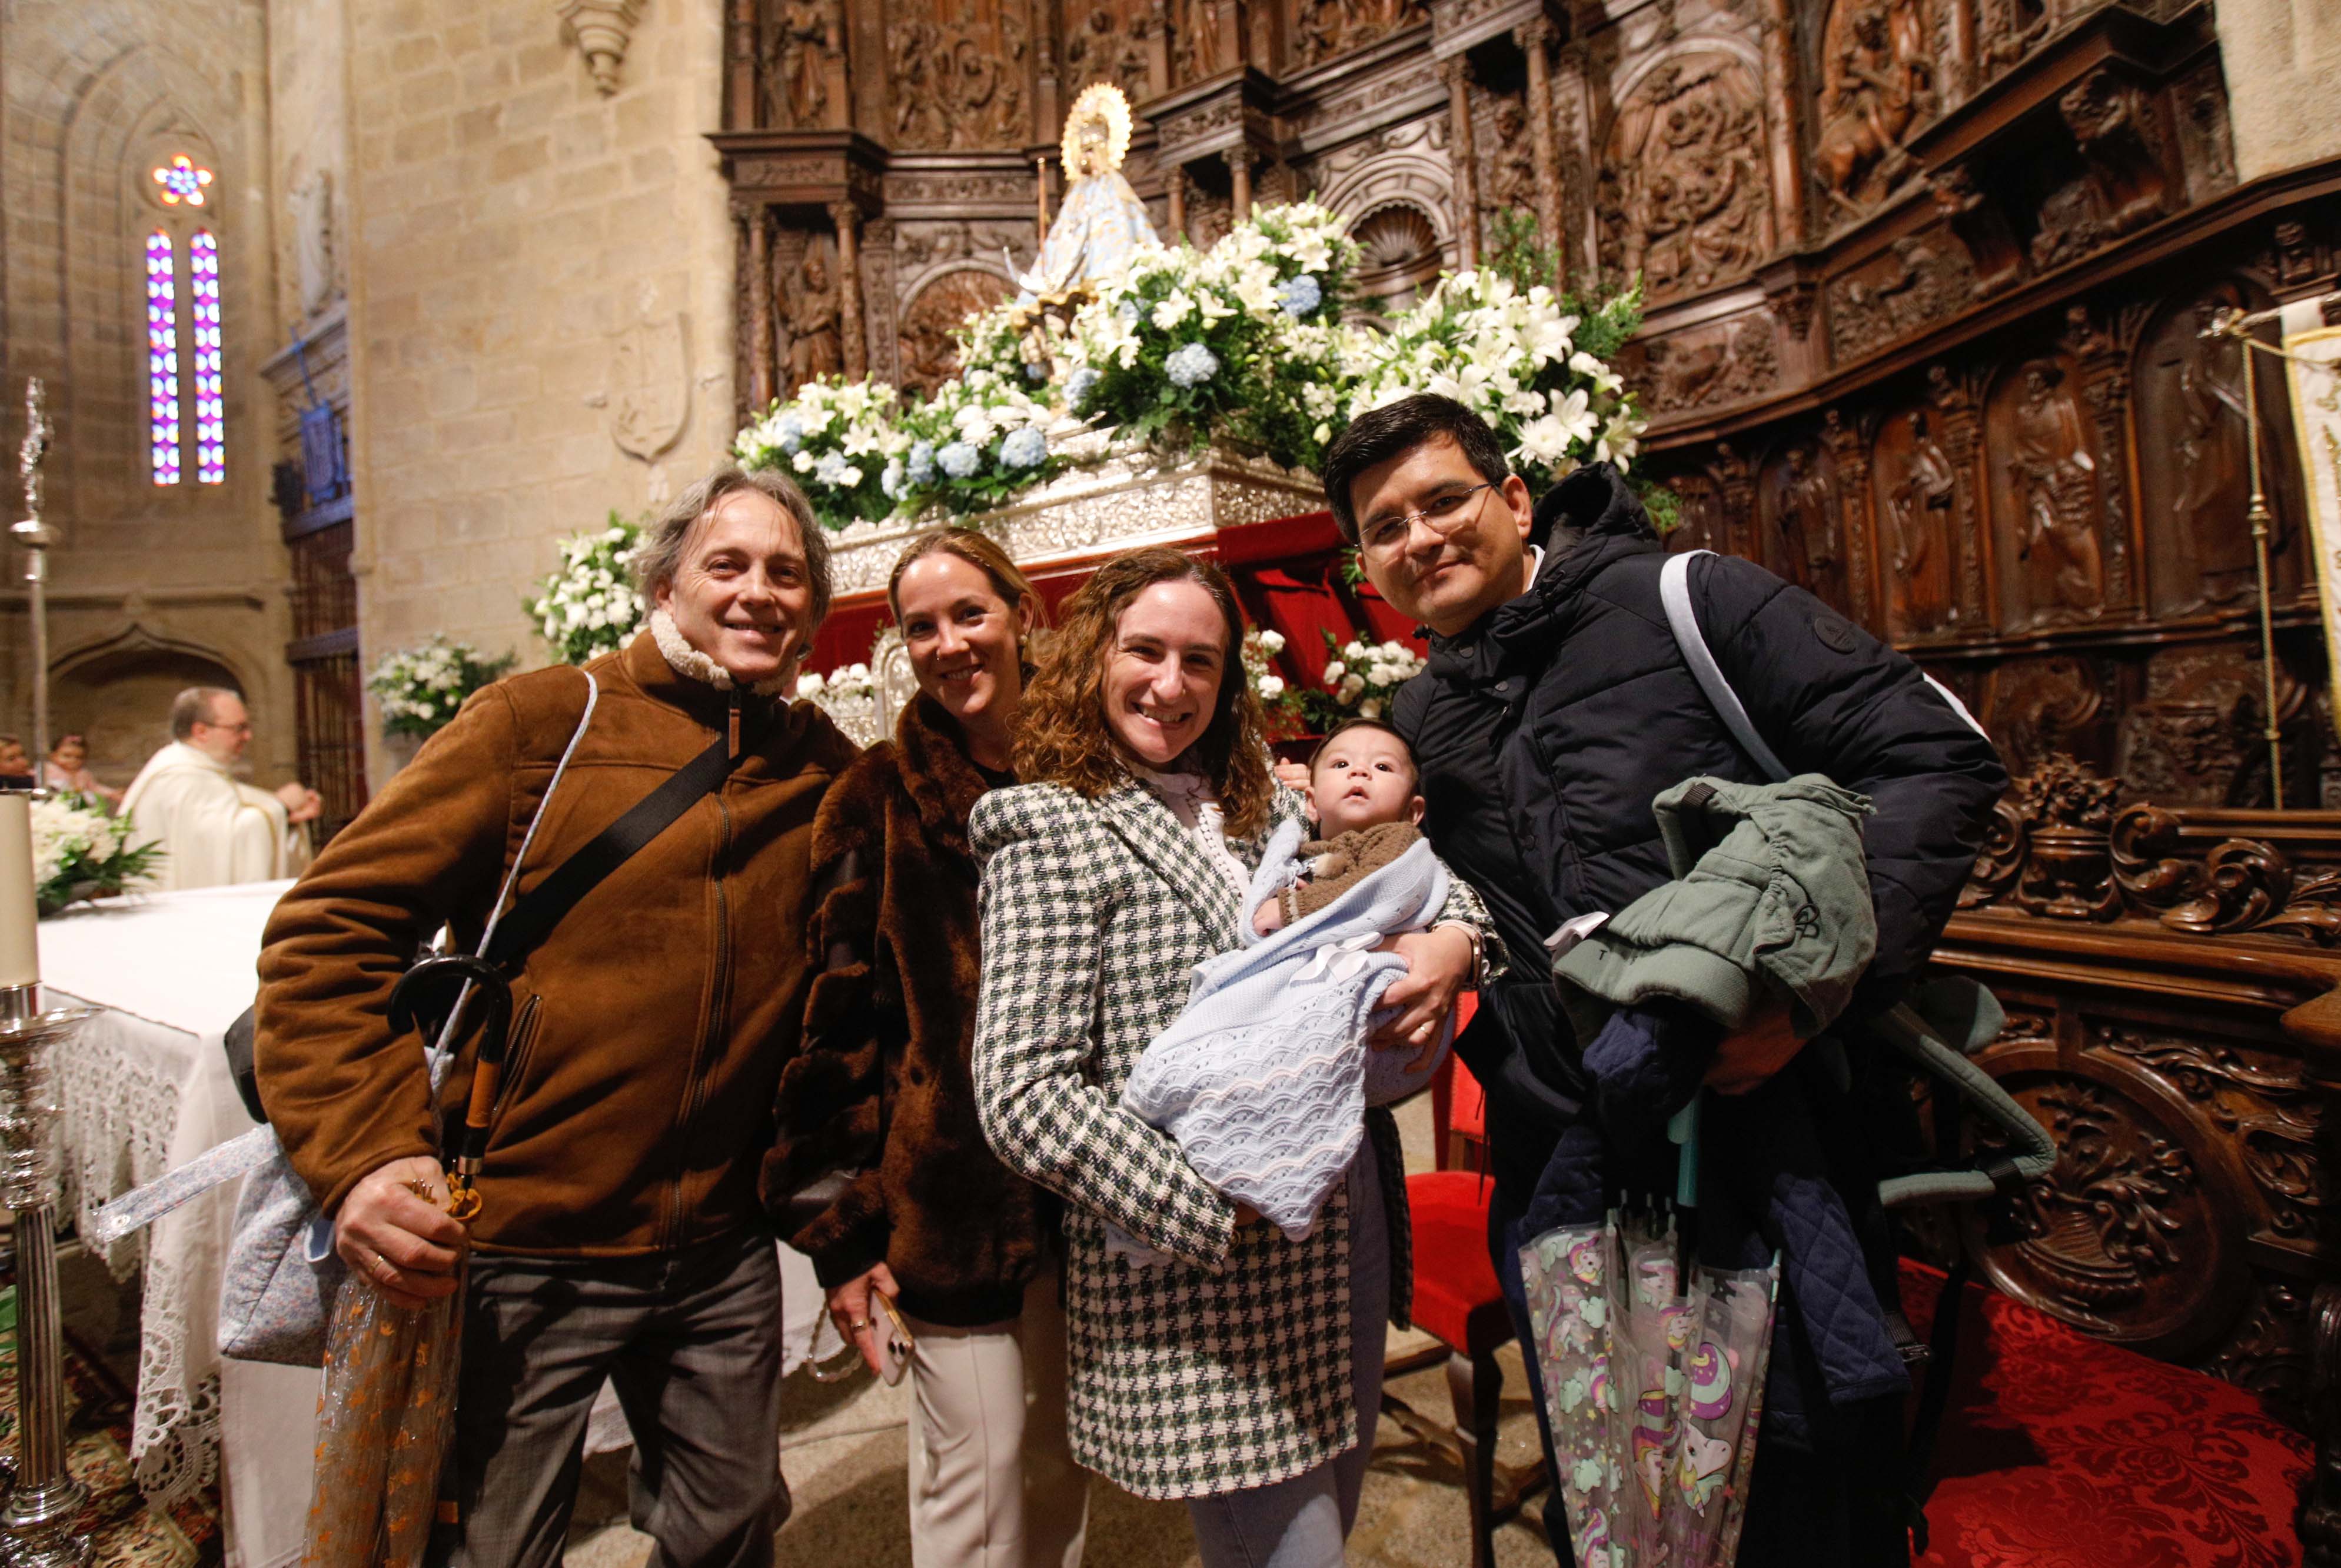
[1372, 708]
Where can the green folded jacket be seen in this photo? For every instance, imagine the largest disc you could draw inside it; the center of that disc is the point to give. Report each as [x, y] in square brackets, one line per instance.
[1779, 906]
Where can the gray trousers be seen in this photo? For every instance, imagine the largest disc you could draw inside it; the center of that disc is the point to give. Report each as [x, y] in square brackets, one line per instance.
[1303, 1522]
[693, 1341]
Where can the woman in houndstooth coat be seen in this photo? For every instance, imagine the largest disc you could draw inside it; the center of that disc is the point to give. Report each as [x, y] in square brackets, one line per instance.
[1245, 1375]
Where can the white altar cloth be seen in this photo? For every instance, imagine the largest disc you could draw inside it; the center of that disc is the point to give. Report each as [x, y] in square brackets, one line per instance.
[144, 1089]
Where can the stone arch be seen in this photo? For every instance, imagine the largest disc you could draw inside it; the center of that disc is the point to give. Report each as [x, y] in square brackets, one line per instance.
[943, 298]
[116, 692]
[1407, 166]
[1401, 250]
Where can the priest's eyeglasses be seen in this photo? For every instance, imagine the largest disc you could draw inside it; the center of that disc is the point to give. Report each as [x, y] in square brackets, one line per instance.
[1387, 536]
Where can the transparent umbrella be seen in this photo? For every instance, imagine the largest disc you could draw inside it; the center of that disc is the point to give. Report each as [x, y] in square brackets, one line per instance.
[1655, 1391]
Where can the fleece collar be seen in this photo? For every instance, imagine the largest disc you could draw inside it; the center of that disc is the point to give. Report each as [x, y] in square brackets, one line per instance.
[944, 781]
[686, 660]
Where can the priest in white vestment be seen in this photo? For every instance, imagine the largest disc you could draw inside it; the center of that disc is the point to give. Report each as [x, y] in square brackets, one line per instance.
[214, 828]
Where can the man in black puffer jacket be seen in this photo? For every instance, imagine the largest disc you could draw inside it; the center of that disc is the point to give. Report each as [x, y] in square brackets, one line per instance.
[1556, 705]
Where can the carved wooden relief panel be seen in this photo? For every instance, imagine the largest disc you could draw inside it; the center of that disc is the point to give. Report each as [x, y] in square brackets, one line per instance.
[1916, 489]
[1108, 41]
[1916, 281]
[1320, 30]
[812, 341]
[1801, 514]
[2131, 1236]
[1878, 84]
[2194, 468]
[2047, 522]
[956, 74]
[2038, 708]
[1684, 196]
[929, 354]
[2195, 739]
[1715, 363]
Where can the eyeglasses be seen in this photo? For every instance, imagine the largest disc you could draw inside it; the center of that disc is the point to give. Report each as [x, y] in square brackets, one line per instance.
[1387, 536]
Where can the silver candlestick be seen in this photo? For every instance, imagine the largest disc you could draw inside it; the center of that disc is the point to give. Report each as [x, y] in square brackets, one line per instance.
[35, 535]
[37, 1523]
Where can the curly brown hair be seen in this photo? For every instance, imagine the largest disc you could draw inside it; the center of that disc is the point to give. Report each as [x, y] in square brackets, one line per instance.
[1063, 736]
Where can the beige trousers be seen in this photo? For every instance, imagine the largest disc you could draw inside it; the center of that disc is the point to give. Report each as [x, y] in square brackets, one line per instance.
[993, 1479]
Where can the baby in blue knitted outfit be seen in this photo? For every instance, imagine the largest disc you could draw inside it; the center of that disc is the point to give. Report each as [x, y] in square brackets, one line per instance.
[1265, 1078]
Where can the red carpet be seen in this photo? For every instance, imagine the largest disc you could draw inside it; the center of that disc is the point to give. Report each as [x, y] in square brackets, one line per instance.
[2059, 1451]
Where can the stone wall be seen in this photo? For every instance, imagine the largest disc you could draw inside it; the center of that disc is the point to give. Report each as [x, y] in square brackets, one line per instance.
[539, 286]
[2283, 60]
[155, 586]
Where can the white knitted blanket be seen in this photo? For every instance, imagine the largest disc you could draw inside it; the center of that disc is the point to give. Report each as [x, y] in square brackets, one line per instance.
[1264, 1079]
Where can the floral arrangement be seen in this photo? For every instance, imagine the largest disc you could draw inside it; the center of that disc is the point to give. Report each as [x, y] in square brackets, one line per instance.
[420, 689]
[1279, 704]
[973, 445]
[848, 695]
[590, 607]
[1240, 343]
[833, 438]
[1532, 363]
[842, 684]
[81, 852]
[1360, 679]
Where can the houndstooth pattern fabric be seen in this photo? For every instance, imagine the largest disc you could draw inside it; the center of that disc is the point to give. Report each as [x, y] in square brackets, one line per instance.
[1230, 1367]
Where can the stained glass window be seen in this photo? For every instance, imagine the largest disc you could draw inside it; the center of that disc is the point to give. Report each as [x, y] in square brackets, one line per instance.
[163, 357]
[203, 309]
[182, 180]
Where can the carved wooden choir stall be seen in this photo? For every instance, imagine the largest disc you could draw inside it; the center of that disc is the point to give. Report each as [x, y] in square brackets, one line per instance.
[1927, 283]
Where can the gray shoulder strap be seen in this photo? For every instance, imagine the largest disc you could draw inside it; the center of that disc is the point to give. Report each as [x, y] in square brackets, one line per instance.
[1674, 592]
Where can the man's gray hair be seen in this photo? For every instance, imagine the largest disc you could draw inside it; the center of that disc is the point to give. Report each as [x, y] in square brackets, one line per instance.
[660, 555]
[194, 707]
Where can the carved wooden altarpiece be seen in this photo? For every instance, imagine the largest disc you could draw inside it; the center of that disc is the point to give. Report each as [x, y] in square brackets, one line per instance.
[1926, 282]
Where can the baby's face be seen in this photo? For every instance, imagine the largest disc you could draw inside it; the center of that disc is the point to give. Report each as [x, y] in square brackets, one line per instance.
[1362, 778]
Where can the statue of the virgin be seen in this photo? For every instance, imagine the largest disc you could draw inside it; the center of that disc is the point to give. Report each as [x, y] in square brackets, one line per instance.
[1102, 225]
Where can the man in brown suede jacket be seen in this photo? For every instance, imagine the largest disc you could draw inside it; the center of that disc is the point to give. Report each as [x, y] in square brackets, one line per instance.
[622, 1235]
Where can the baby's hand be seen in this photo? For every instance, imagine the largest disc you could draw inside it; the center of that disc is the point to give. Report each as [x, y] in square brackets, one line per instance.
[1270, 917]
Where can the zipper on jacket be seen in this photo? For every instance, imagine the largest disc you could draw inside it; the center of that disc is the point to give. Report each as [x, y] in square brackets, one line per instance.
[718, 1001]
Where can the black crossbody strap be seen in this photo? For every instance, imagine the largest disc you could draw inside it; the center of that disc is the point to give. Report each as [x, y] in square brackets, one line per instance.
[531, 920]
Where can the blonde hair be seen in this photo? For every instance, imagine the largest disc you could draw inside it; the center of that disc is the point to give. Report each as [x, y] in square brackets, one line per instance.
[984, 553]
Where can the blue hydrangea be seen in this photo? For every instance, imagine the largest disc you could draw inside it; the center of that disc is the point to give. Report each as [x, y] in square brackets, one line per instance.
[1300, 295]
[919, 468]
[890, 478]
[958, 460]
[830, 469]
[1036, 373]
[789, 433]
[1025, 447]
[1082, 384]
[1126, 309]
[1190, 365]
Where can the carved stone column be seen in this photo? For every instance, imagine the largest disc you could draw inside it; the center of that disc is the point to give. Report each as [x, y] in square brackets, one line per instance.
[1464, 165]
[742, 100]
[1239, 157]
[1176, 181]
[1534, 39]
[1735, 478]
[758, 283]
[847, 219]
[2105, 384]
[1848, 449]
[883, 331]
[832, 68]
[1960, 420]
[1780, 99]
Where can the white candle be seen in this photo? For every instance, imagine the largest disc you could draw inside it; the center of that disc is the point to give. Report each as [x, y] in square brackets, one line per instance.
[20, 954]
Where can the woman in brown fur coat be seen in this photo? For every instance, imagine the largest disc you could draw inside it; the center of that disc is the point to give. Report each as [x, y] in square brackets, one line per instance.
[929, 1217]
